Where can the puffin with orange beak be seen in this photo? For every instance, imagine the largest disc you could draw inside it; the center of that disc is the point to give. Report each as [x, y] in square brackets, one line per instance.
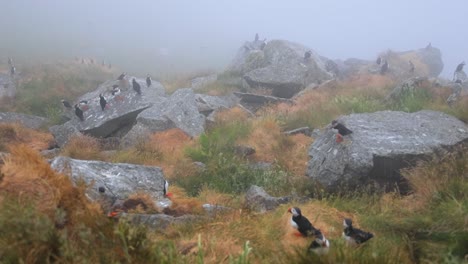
[320, 245]
[301, 223]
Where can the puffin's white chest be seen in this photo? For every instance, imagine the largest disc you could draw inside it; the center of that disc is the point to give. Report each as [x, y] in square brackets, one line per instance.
[293, 224]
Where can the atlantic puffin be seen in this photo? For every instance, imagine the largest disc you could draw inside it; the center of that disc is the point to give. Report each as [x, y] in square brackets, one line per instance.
[121, 76]
[115, 90]
[166, 189]
[136, 86]
[460, 67]
[12, 70]
[354, 236]
[148, 80]
[102, 102]
[384, 67]
[342, 130]
[379, 60]
[301, 223]
[320, 245]
[79, 112]
[307, 55]
[66, 104]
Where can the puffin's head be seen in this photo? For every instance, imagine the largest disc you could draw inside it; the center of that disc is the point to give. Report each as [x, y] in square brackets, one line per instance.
[334, 123]
[347, 222]
[295, 211]
[321, 240]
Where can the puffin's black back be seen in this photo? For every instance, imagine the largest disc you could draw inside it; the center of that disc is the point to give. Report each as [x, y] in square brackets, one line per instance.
[359, 236]
[304, 225]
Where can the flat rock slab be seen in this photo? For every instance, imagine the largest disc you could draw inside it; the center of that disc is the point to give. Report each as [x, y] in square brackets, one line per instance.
[30, 121]
[381, 144]
[119, 180]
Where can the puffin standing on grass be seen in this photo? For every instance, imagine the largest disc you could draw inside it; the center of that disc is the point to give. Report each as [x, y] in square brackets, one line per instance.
[320, 245]
[136, 86]
[354, 236]
[79, 112]
[342, 130]
[301, 223]
[102, 102]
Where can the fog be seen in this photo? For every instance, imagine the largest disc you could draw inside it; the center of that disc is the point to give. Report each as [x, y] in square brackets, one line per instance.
[174, 35]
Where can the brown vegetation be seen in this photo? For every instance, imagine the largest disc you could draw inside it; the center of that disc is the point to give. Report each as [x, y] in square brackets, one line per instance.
[15, 133]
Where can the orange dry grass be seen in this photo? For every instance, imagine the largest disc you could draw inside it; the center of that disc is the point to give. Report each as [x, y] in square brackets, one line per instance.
[147, 200]
[82, 147]
[15, 133]
[235, 114]
[182, 204]
[30, 179]
[171, 143]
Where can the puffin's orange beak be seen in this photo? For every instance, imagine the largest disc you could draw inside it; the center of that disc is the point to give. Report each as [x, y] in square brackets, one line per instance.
[169, 195]
[289, 210]
[112, 214]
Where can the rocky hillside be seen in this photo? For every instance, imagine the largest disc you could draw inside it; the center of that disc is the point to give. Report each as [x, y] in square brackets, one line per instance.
[133, 172]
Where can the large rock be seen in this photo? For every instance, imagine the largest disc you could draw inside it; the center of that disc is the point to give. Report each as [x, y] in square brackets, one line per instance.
[253, 102]
[203, 81]
[30, 121]
[177, 111]
[7, 86]
[285, 71]
[120, 113]
[118, 180]
[258, 200]
[408, 86]
[208, 104]
[249, 57]
[381, 144]
[63, 133]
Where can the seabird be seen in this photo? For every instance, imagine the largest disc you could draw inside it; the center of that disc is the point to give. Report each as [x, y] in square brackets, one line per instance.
[166, 189]
[101, 189]
[102, 102]
[12, 70]
[460, 67]
[384, 67]
[10, 61]
[307, 55]
[79, 112]
[256, 37]
[136, 86]
[458, 70]
[301, 223]
[122, 76]
[411, 65]
[429, 46]
[354, 236]
[66, 104]
[115, 90]
[320, 245]
[342, 130]
[148, 80]
[379, 60]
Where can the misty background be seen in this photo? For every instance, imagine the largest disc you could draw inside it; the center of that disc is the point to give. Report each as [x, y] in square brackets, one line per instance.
[162, 37]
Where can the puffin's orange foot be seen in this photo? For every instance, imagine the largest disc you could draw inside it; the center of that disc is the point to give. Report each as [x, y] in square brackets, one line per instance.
[298, 234]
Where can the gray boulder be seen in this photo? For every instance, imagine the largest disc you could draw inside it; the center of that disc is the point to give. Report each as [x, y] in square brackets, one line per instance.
[118, 180]
[432, 58]
[285, 70]
[253, 102]
[177, 111]
[160, 222]
[207, 104]
[30, 121]
[203, 81]
[119, 115]
[381, 144]
[249, 57]
[63, 133]
[7, 86]
[408, 86]
[258, 200]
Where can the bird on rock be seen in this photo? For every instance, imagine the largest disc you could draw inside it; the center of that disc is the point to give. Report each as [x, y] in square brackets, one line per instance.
[301, 223]
[342, 130]
[136, 86]
[354, 236]
[79, 112]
